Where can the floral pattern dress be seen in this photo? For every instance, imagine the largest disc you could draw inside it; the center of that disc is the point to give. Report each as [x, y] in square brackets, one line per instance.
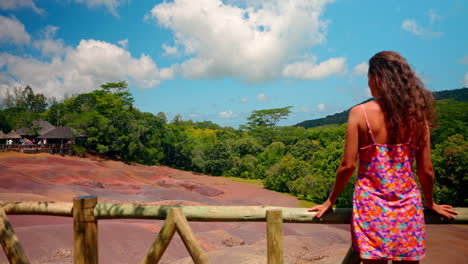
[388, 219]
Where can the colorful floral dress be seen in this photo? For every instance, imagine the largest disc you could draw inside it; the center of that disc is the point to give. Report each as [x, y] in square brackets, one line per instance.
[388, 219]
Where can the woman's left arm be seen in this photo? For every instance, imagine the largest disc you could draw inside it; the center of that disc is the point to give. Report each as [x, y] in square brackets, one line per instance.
[347, 165]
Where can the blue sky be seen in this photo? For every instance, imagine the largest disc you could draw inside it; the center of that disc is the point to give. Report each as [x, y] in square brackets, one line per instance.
[220, 60]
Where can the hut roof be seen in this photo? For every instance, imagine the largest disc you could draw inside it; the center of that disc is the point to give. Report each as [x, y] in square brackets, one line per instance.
[61, 132]
[12, 135]
[42, 127]
[1, 134]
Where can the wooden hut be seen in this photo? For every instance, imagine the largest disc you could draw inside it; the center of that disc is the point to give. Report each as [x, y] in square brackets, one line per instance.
[60, 137]
[37, 128]
[12, 135]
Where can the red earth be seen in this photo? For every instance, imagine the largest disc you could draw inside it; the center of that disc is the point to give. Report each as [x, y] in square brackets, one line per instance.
[48, 239]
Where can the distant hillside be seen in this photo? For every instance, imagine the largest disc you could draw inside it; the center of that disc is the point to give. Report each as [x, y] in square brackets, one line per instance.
[341, 118]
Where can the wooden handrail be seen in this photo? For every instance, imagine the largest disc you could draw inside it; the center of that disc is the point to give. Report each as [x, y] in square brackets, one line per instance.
[86, 212]
[206, 213]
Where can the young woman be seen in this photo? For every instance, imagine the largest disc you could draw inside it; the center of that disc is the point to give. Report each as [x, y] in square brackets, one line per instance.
[387, 134]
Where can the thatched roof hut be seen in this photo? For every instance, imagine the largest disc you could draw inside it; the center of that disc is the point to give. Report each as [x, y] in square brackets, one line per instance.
[61, 133]
[12, 135]
[38, 127]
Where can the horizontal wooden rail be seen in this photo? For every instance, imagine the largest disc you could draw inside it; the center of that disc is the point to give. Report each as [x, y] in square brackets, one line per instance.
[206, 213]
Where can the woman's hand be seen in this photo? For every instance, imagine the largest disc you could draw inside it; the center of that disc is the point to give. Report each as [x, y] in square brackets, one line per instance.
[321, 209]
[444, 210]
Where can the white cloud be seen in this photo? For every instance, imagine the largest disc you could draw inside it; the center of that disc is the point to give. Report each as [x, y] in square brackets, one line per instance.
[412, 27]
[465, 81]
[168, 50]
[48, 45]
[321, 107]
[433, 16]
[83, 69]
[167, 73]
[111, 5]
[6, 82]
[308, 69]
[123, 43]
[262, 97]
[304, 109]
[18, 4]
[361, 68]
[12, 31]
[227, 114]
[244, 99]
[252, 41]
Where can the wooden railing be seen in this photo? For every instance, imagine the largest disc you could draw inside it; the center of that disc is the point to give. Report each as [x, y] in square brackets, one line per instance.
[86, 212]
[34, 148]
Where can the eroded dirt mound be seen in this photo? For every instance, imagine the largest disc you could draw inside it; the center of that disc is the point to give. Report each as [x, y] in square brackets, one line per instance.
[47, 239]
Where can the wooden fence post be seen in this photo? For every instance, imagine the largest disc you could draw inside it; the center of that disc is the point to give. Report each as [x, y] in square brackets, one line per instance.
[13, 250]
[274, 237]
[188, 237]
[162, 241]
[85, 232]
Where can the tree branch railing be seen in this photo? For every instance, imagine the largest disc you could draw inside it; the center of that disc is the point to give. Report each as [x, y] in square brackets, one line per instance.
[86, 212]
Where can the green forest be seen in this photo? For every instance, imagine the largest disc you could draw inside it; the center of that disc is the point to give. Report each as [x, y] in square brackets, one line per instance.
[291, 159]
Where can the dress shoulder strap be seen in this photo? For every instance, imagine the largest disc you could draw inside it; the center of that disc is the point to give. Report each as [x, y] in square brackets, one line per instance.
[367, 123]
[410, 138]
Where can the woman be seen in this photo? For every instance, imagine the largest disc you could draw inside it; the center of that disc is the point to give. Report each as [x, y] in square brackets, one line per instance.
[388, 133]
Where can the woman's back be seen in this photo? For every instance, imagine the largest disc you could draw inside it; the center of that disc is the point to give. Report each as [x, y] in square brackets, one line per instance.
[378, 128]
[386, 134]
[387, 219]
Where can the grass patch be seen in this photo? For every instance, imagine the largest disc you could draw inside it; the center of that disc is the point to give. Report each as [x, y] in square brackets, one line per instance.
[306, 204]
[259, 183]
[256, 182]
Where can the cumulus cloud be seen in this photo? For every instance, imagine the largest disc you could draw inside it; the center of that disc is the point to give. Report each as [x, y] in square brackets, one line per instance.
[412, 27]
[18, 4]
[123, 43]
[227, 114]
[308, 69]
[361, 68]
[251, 41]
[244, 99]
[465, 81]
[321, 107]
[83, 69]
[48, 45]
[262, 97]
[169, 50]
[111, 5]
[13, 31]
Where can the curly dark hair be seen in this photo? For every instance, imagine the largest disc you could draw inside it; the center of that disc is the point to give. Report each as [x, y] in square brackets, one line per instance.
[407, 106]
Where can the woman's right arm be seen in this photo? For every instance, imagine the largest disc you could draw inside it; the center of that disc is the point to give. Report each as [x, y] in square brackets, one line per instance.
[426, 178]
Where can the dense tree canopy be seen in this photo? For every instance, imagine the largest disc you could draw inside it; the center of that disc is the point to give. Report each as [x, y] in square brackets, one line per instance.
[288, 159]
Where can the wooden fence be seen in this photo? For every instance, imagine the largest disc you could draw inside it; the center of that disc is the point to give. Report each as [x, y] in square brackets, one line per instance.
[64, 149]
[86, 212]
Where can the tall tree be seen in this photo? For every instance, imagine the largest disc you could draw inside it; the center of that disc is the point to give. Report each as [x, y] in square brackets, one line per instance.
[25, 98]
[262, 123]
[267, 117]
[121, 90]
